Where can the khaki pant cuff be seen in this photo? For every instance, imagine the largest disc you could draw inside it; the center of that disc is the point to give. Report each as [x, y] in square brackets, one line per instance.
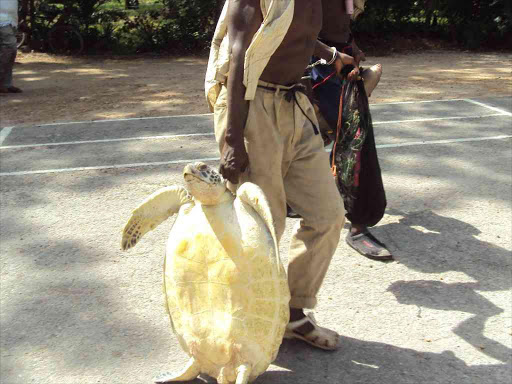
[303, 302]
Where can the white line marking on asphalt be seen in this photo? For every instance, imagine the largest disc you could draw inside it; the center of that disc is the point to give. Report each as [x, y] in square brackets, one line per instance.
[124, 119]
[4, 133]
[209, 114]
[163, 137]
[488, 107]
[437, 119]
[107, 140]
[416, 102]
[136, 165]
[448, 141]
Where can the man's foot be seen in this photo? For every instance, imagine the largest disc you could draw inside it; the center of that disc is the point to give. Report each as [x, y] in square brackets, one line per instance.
[13, 89]
[371, 77]
[306, 329]
[368, 245]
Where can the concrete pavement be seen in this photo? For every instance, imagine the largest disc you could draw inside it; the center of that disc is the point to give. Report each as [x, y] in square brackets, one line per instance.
[75, 309]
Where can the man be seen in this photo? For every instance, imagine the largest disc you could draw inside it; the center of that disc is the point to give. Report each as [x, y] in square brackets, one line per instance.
[366, 206]
[268, 134]
[8, 46]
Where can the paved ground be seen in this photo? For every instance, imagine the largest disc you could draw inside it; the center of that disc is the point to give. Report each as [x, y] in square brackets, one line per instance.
[74, 309]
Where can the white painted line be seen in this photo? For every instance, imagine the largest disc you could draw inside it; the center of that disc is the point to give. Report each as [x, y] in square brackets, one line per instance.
[417, 102]
[209, 114]
[125, 119]
[181, 161]
[163, 137]
[4, 133]
[107, 140]
[431, 142]
[134, 165]
[488, 107]
[437, 119]
[448, 141]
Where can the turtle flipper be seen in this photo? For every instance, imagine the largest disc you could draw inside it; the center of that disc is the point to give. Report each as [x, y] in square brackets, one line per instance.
[253, 195]
[190, 372]
[243, 374]
[153, 211]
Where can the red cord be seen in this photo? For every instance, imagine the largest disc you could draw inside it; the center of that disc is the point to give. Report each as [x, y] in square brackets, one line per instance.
[324, 80]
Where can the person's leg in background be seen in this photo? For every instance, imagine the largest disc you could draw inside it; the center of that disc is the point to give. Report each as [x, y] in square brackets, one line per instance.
[8, 51]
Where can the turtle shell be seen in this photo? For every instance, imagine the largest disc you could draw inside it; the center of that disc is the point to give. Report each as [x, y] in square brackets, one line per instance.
[226, 290]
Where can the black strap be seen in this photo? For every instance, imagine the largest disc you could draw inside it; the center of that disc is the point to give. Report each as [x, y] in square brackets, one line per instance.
[291, 94]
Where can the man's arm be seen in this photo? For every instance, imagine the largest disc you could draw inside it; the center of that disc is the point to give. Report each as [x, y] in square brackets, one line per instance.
[244, 19]
[325, 52]
[358, 54]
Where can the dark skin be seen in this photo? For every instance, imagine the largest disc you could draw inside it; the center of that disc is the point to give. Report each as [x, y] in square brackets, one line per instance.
[285, 67]
[336, 26]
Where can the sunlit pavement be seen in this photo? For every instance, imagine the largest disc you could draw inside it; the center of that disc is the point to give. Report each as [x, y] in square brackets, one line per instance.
[75, 309]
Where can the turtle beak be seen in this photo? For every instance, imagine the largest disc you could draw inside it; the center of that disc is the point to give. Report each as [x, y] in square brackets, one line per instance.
[188, 170]
[192, 169]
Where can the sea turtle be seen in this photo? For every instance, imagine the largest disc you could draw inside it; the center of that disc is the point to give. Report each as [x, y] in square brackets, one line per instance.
[225, 287]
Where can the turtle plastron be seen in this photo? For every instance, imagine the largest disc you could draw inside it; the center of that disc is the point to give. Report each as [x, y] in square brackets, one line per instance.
[226, 289]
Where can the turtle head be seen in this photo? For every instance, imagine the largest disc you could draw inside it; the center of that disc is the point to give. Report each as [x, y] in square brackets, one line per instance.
[204, 183]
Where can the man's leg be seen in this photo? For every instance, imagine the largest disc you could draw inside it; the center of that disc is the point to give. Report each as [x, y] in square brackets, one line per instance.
[359, 238]
[273, 152]
[312, 193]
[8, 50]
[368, 208]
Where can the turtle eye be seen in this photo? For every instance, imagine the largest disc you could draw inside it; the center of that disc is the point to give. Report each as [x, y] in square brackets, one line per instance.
[202, 167]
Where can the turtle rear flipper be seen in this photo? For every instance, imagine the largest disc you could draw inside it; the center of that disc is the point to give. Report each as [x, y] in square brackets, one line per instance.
[190, 372]
[243, 374]
[152, 212]
[253, 196]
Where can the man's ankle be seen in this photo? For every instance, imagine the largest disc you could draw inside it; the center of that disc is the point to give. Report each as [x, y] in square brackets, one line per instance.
[356, 229]
[296, 314]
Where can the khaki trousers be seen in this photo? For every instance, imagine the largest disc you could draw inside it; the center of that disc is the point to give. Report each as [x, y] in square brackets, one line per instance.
[288, 162]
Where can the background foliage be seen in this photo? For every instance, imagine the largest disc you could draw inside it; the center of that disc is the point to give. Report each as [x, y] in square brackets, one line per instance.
[186, 26]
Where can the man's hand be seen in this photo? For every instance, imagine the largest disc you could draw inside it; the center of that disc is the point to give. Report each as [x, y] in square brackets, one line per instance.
[344, 59]
[233, 161]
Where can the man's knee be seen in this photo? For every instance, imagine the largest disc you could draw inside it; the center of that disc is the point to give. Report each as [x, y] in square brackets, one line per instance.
[331, 216]
[338, 214]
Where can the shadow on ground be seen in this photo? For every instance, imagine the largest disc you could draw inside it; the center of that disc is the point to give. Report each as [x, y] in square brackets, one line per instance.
[430, 243]
[373, 363]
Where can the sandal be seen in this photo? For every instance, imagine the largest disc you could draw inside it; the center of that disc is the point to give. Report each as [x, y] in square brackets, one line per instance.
[319, 337]
[368, 245]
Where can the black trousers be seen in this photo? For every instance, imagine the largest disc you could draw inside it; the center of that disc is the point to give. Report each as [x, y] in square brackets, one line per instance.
[368, 204]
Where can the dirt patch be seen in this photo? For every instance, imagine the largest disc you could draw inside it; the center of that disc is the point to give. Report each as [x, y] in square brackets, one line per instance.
[57, 89]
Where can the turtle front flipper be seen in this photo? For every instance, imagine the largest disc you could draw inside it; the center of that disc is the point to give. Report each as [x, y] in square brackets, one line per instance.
[190, 372]
[159, 206]
[253, 196]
